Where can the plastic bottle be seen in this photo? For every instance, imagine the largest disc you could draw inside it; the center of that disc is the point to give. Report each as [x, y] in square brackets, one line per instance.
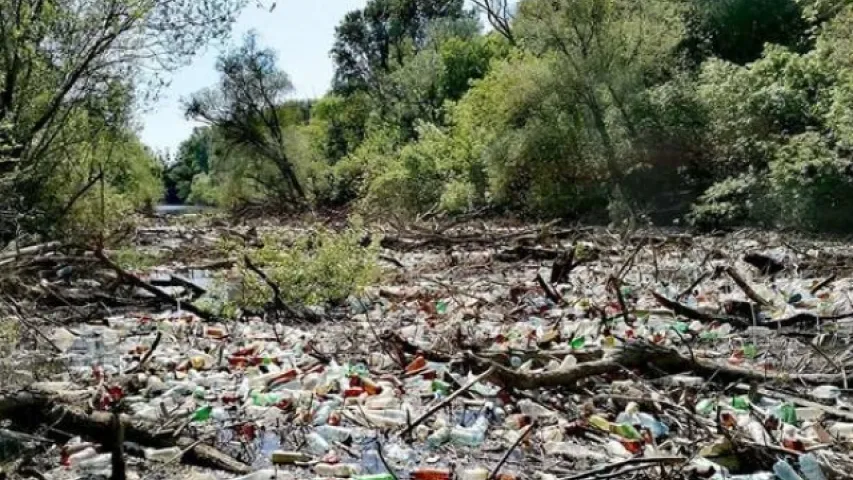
[478, 473]
[811, 468]
[282, 457]
[472, 436]
[439, 437]
[340, 470]
[75, 458]
[534, 410]
[316, 443]
[430, 474]
[162, 454]
[784, 471]
[97, 463]
[334, 434]
[633, 416]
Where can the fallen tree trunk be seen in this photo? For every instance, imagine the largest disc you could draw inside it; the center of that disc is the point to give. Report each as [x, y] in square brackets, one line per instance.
[639, 356]
[160, 294]
[39, 407]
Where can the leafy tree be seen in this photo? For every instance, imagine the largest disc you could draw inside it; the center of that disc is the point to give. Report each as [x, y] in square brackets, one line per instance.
[194, 157]
[373, 41]
[61, 61]
[245, 110]
[605, 50]
[737, 30]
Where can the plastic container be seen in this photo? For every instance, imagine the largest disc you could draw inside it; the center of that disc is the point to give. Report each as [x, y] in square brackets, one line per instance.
[784, 471]
[340, 470]
[430, 474]
[810, 467]
[80, 455]
[316, 443]
[96, 463]
[282, 457]
[472, 436]
[334, 434]
[478, 473]
[162, 454]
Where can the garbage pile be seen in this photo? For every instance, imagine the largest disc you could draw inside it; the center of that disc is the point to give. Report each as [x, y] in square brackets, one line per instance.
[641, 356]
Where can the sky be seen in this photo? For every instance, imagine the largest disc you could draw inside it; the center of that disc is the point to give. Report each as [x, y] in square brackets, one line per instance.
[302, 31]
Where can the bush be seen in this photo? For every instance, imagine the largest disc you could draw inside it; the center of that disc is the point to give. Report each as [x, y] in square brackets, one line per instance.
[729, 202]
[320, 267]
[812, 186]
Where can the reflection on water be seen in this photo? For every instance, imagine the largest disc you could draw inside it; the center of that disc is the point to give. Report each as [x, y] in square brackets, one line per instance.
[167, 209]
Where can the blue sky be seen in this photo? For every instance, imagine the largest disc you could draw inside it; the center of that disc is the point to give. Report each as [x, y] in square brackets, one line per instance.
[302, 31]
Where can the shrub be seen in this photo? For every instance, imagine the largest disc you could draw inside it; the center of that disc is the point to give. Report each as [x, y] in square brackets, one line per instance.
[812, 185]
[318, 267]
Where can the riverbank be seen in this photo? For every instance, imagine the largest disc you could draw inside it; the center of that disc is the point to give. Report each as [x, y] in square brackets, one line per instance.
[529, 351]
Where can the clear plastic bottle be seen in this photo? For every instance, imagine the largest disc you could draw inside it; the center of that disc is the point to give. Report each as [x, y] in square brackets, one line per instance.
[162, 454]
[439, 437]
[472, 436]
[316, 443]
[97, 463]
[784, 471]
[334, 434]
[478, 473]
[811, 468]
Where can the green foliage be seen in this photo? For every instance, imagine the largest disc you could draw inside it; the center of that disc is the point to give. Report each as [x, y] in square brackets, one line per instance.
[372, 42]
[136, 259]
[737, 30]
[67, 63]
[249, 114]
[318, 267]
[812, 186]
[194, 157]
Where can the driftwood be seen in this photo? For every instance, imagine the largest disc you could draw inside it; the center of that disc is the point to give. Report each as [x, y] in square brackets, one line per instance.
[160, 294]
[746, 287]
[693, 314]
[639, 355]
[764, 263]
[44, 408]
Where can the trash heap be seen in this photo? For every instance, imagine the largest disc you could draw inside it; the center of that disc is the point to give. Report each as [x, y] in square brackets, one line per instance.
[595, 356]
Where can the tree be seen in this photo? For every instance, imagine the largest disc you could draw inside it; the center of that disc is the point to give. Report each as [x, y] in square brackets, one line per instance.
[737, 30]
[606, 49]
[194, 157]
[500, 16]
[373, 41]
[246, 111]
[61, 60]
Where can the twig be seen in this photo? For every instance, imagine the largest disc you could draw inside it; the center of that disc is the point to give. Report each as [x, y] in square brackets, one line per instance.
[384, 462]
[491, 370]
[823, 284]
[747, 289]
[521, 436]
[550, 292]
[147, 355]
[624, 463]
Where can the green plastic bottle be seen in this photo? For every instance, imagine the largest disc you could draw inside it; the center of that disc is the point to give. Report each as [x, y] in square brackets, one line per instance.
[202, 413]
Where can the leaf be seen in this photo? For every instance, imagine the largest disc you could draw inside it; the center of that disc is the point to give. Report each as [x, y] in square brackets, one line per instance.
[578, 343]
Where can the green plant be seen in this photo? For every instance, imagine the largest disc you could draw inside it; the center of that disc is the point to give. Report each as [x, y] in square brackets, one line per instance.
[136, 259]
[318, 267]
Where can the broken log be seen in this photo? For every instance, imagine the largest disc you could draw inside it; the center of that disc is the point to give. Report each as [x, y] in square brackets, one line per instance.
[41, 407]
[160, 294]
[766, 264]
[639, 355]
